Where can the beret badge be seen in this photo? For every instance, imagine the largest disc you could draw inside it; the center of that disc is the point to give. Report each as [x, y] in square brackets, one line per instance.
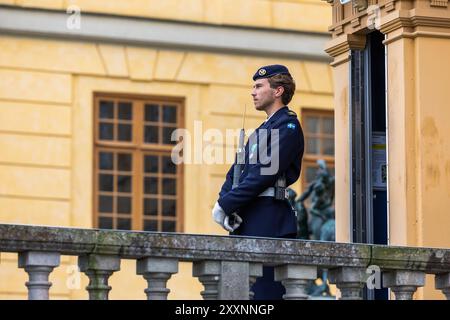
[270, 71]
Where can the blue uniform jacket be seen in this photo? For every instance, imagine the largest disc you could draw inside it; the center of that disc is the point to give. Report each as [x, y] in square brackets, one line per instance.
[265, 216]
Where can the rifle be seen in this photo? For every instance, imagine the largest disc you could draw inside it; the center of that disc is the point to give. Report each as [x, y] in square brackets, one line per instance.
[240, 155]
[240, 160]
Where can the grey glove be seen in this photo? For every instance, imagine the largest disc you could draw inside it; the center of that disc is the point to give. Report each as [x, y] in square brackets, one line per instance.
[235, 222]
[219, 217]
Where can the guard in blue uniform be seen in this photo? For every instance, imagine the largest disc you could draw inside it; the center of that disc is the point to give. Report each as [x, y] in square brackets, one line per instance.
[259, 204]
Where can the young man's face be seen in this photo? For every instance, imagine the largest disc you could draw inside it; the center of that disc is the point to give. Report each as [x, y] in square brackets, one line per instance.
[263, 95]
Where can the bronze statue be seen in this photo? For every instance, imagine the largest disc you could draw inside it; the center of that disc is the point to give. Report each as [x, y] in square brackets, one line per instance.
[316, 222]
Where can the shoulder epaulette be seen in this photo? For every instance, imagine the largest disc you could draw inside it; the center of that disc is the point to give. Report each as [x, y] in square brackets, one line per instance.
[291, 113]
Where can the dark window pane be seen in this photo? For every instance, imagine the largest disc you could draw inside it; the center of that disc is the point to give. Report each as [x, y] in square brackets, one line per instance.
[106, 182]
[328, 146]
[170, 114]
[168, 166]
[312, 145]
[105, 223]
[167, 133]
[124, 161]
[151, 163]
[151, 112]
[150, 207]
[150, 225]
[106, 131]
[125, 132]
[106, 109]
[106, 161]
[105, 204]
[123, 204]
[169, 186]
[169, 207]
[151, 134]
[125, 111]
[123, 224]
[168, 226]
[124, 183]
[312, 125]
[150, 185]
[328, 125]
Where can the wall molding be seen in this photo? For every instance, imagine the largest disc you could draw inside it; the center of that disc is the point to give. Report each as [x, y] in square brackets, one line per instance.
[165, 34]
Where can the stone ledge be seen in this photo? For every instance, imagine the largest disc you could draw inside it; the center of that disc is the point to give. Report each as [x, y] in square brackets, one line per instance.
[189, 247]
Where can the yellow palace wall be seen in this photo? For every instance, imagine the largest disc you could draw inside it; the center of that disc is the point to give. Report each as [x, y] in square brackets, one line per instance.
[46, 128]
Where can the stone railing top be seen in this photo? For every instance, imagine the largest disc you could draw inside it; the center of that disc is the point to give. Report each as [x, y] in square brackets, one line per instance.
[194, 247]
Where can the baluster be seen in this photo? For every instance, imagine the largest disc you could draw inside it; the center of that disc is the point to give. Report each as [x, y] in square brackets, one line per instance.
[255, 271]
[403, 283]
[295, 278]
[157, 271]
[98, 268]
[208, 273]
[349, 280]
[443, 283]
[38, 265]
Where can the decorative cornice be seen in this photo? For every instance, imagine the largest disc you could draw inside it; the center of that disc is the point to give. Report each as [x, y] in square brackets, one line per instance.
[390, 15]
[345, 43]
[402, 19]
[394, 21]
[430, 21]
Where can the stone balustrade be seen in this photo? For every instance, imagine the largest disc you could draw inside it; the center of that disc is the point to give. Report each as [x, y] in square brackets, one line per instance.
[227, 266]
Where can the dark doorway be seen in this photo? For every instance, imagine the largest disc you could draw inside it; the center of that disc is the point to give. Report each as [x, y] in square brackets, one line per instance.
[368, 147]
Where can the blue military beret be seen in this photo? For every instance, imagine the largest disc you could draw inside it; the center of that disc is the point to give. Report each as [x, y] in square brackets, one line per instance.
[270, 71]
